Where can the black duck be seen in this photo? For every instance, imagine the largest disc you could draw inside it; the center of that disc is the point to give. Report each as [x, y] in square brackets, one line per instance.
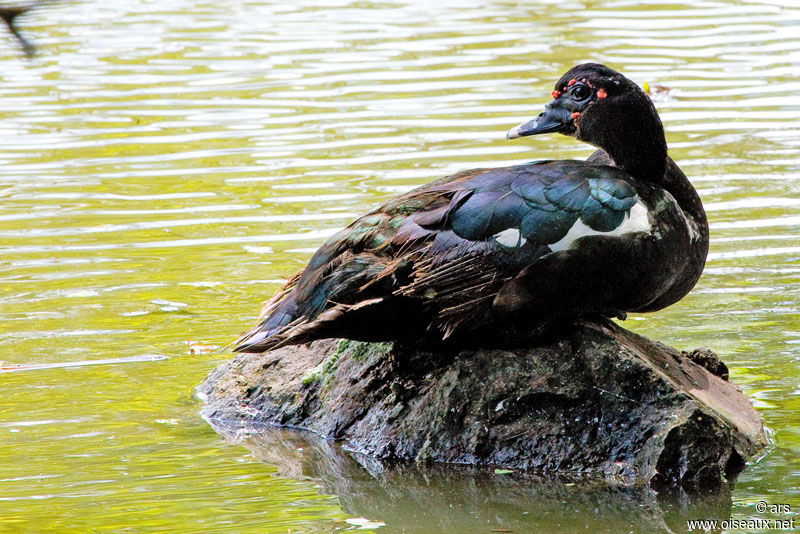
[485, 252]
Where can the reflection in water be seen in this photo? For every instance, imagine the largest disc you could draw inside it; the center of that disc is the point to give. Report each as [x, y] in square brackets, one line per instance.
[412, 498]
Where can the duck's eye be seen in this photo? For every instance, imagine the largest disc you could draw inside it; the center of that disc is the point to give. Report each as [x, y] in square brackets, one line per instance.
[580, 93]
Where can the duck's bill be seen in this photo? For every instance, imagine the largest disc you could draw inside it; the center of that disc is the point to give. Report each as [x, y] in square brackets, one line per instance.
[553, 119]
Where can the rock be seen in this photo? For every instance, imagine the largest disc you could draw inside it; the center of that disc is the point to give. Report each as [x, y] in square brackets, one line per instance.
[594, 399]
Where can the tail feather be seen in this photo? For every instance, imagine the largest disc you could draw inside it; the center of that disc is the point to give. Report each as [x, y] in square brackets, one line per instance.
[298, 330]
[283, 314]
[300, 307]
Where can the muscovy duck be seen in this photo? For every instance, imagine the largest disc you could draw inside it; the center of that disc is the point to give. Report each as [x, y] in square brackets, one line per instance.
[487, 249]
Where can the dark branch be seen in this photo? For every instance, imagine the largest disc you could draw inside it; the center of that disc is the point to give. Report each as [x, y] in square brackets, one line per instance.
[9, 15]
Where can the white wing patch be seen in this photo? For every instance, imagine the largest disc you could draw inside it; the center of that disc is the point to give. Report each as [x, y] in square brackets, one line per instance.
[510, 238]
[636, 220]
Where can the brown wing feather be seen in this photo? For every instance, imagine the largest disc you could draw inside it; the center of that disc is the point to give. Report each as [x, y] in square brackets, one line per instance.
[269, 305]
[460, 287]
[401, 234]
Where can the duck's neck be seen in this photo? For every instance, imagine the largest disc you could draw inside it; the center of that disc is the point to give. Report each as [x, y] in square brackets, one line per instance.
[643, 157]
[630, 132]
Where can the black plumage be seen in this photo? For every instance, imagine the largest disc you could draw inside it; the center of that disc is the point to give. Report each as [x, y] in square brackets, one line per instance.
[488, 251]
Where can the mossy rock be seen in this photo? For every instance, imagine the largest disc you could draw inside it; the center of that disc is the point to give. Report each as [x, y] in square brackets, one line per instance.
[595, 399]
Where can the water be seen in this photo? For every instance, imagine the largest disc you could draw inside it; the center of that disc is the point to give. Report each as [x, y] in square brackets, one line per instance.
[164, 165]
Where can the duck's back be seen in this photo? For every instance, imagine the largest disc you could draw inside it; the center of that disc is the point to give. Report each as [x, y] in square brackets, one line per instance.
[490, 246]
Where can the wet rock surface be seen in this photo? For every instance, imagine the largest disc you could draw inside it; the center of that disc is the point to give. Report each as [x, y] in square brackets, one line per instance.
[593, 400]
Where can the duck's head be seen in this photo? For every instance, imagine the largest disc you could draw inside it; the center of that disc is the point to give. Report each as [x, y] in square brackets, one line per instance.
[600, 106]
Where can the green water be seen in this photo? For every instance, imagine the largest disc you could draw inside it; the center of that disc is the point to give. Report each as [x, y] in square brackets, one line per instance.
[164, 165]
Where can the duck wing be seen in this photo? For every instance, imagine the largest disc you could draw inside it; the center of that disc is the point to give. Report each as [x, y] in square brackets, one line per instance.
[435, 258]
